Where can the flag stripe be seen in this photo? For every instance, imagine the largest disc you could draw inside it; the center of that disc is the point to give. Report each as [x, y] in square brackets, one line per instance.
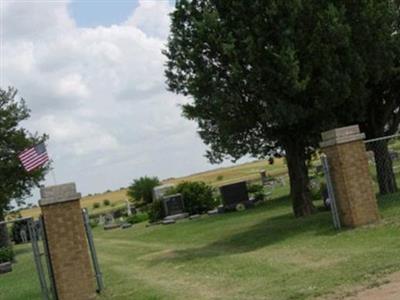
[27, 153]
[36, 160]
[40, 163]
[33, 157]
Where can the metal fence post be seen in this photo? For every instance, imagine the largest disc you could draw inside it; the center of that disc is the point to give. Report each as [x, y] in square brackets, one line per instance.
[96, 266]
[329, 185]
[53, 289]
[37, 258]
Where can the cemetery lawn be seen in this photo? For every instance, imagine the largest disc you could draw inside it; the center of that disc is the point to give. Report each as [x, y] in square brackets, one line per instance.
[262, 253]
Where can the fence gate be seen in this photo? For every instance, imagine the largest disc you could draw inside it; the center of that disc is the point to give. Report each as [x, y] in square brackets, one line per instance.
[41, 258]
[331, 193]
[92, 249]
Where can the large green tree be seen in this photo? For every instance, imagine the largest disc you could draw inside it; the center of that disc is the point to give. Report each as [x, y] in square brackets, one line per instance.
[375, 36]
[141, 190]
[15, 183]
[264, 75]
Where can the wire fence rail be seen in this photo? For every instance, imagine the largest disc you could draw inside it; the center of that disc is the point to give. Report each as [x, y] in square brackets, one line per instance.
[384, 163]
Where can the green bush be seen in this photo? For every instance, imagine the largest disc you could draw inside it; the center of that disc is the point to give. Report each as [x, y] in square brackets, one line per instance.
[257, 191]
[106, 202]
[96, 205]
[315, 190]
[198, 197]
[6, 254]
[93, 222]
[137, 218]
[156, 211]
[220, 177]
[141, 190]
[119, 212]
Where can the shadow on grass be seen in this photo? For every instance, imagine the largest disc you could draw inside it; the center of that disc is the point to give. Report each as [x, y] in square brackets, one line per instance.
[270, 231]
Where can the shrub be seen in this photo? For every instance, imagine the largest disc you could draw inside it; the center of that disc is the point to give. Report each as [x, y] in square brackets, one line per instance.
[106, 202]
[255, 188]
[257, 191]
[141, 190]
[137, 218]
[198, 197]
[119, 212]
[315, 190]
[93, 222]
[6, 254]
[96, 205]
[220, 177]
[156, 211]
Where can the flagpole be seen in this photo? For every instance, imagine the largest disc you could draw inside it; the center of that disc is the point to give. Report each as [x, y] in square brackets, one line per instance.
[53, 174]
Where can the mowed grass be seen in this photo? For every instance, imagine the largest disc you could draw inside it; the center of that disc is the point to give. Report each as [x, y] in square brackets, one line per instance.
[261, 253]
[247, 171]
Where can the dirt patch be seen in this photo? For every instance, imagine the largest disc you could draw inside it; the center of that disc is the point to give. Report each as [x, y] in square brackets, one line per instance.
[389, 290]
[386, 289]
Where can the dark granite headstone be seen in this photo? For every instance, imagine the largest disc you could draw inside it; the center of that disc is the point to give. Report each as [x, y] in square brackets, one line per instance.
[5, 267]
[126, 225]
[168, 222]
[233, 194]
[173, 204]
[110, 226]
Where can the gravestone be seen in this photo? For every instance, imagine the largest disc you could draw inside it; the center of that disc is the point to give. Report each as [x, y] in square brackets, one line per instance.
[173, 205]
[126, 225]
[101, 220]
[5, 267]
[160, 191]
[233, 194]
[263, 175]
[108, 219]
[128, 208]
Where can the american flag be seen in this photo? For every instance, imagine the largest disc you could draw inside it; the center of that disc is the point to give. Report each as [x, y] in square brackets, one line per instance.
[34, 157]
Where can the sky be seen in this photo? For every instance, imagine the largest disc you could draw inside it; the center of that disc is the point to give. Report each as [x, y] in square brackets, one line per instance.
[92, 74]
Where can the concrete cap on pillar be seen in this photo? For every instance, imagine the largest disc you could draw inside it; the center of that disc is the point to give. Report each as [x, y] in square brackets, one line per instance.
[58, 194]
[341, 136]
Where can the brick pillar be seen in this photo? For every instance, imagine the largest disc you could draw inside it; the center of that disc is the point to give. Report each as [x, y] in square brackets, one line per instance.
[348, 163]
[67, 242]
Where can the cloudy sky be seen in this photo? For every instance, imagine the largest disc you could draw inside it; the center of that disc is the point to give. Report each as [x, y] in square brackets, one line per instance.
[91, 71]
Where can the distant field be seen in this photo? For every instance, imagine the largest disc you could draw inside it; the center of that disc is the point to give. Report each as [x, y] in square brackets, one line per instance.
[248, 171]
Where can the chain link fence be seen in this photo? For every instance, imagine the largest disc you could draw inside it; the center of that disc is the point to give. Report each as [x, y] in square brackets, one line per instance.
[384, 163]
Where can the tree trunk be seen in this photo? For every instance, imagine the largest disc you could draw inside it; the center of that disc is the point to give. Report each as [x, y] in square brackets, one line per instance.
[4, 240]
[299, 181]
[384, 167]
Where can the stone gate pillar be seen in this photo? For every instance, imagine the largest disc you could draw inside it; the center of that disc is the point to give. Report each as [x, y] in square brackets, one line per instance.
[348, 163]
[66, 237]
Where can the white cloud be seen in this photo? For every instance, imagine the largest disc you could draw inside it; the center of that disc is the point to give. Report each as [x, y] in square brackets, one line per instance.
[152, 17]
[99, 93]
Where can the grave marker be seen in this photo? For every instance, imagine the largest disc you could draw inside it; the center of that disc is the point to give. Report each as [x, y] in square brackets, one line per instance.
[173, 204]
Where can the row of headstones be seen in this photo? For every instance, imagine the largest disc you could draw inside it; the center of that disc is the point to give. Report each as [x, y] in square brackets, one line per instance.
[232, 194]
[174, 207]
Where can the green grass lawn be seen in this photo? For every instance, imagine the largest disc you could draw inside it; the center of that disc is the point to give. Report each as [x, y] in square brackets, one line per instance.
[262, 253]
